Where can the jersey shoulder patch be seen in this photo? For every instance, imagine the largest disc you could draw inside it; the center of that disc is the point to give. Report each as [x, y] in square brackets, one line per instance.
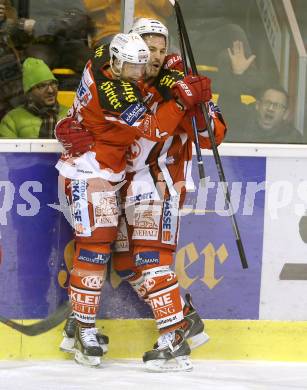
[117, 95]
[165, 80]
[114, 95]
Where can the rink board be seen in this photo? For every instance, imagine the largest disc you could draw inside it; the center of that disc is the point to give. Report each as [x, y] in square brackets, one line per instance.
[269, 195]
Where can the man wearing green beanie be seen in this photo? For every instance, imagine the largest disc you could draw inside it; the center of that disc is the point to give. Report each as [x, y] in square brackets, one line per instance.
[37, 117]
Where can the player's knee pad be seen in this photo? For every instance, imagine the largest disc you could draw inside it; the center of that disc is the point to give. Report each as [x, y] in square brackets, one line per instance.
[123, 264]
[87, 278]
[151, 269]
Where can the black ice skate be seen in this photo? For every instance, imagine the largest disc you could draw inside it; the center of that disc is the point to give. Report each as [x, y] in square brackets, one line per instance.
[87, 349]
[68, 342]
[193, 326]
[194, 329]
[171, 354]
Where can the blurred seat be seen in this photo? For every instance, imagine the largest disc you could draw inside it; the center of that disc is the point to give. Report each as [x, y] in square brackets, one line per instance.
[245, 99]
[68, 78]
[66, 98]
[207, 68]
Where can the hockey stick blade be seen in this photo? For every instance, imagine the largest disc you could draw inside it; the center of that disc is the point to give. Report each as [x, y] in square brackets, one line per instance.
[42, 326]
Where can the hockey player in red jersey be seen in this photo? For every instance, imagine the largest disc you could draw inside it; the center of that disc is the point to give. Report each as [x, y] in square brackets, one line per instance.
[158, 175]
[110, 106]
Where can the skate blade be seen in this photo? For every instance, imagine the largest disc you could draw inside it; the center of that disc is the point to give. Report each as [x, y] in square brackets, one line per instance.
[68, 345]
[91, 361]
[198, 340]
[181, 363]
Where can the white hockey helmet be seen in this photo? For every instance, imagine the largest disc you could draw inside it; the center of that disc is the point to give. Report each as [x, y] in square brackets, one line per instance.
[128, 48]
[150, 26]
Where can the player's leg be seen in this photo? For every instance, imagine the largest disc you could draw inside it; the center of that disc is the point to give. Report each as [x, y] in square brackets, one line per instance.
[86, 280]
[158, 284]
[149, 273]
[95, 217]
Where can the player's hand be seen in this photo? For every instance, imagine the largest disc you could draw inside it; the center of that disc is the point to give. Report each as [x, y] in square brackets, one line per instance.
[192, 90]
[197, 112]
[75, 138]
[173, 61]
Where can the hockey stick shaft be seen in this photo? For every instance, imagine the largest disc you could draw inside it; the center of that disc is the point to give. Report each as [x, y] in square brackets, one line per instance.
[61, 313]
[186, 42]
[200, 162]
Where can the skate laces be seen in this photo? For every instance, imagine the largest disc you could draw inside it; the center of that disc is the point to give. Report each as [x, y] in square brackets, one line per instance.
[88, 336]
[166, 340]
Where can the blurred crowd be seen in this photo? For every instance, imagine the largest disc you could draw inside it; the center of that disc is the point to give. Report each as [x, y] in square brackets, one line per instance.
[230, 45]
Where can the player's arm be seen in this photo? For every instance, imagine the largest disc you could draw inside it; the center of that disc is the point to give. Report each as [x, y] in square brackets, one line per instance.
[135, 116]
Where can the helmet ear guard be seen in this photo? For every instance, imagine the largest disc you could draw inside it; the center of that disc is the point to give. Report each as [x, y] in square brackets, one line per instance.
[128, 48]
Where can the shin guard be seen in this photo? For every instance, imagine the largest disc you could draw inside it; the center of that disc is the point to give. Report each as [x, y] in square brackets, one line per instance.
[87, 278]
[158, 285]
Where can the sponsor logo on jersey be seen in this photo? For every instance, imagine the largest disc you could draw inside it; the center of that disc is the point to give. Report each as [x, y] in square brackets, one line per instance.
[86, 318]
[122, 243]
[168, 321]
[145, 258]
[170, 220]
[115, 94]
[146, 222]
[80, 208]
[108, 89]
[99, 51]
[139, 197]
[133, 113]
[93, 281]
[149, 284]
[83, 93]
[93, 257]
[134, 151]
[105, 209]
[161, 301]
[168, 81]
[128, 92]
[87, 77]
[84, 303]
[145, 126]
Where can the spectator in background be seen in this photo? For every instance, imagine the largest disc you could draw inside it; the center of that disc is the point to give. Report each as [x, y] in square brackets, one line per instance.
[10, 68]
[266, 120]
[62, 41]
[37, 117]
[212, 27]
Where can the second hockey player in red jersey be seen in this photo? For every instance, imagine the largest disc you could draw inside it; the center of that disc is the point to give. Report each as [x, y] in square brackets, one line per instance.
[111, 107]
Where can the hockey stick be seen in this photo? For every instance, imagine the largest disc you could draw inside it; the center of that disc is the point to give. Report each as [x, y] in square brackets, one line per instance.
[42, 326]
[185, 42]
[200, 161]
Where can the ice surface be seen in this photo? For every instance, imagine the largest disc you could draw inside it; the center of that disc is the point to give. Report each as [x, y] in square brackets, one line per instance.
[130, 375]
